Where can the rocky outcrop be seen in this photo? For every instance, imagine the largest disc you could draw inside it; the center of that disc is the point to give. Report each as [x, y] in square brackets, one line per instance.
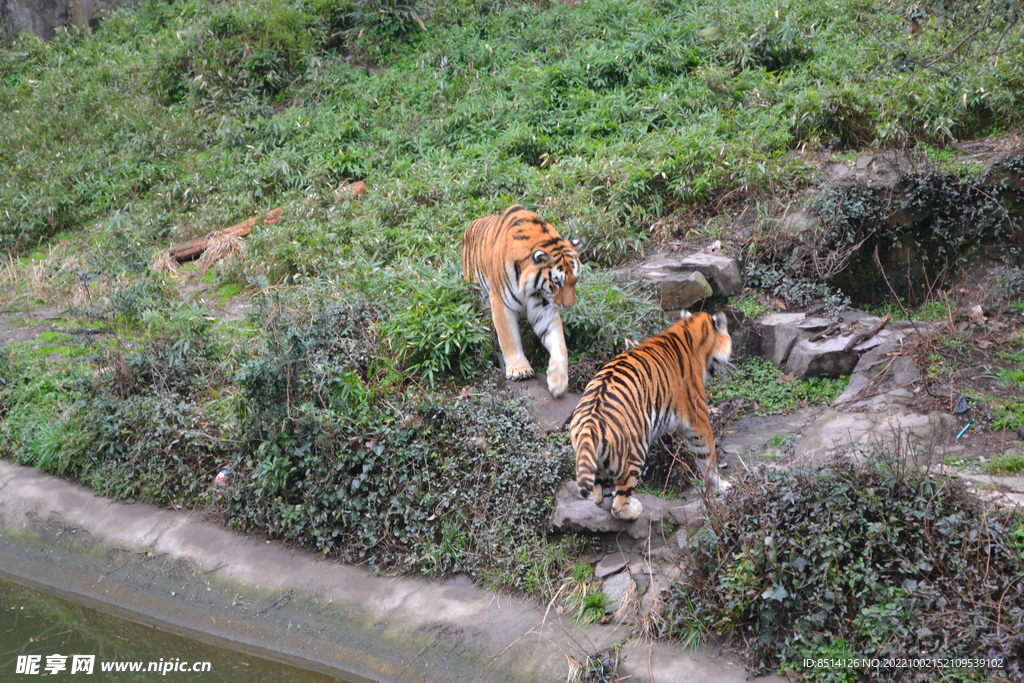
[573, 513]
[817, 347]
[43, 17]
[684, 281]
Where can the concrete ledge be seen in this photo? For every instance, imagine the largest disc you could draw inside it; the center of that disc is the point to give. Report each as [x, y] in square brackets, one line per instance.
[189, 576]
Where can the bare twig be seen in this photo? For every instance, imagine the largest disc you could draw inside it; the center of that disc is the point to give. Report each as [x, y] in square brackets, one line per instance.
[865, 334]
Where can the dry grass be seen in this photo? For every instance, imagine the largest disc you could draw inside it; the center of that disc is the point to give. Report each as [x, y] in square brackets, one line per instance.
[163, 262]
[219, 248]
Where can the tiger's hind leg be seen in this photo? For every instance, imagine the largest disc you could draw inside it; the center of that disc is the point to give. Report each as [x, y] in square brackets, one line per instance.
[625, 506]
[700, 440]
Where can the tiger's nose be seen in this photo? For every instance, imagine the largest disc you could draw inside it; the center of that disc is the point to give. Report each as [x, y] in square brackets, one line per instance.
[565, 297]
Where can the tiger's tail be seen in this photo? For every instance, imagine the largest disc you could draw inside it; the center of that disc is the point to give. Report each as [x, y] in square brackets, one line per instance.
[586, 446]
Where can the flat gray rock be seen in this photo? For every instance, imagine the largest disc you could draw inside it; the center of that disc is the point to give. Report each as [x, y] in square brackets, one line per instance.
[552, 414]
[617, 588]
[573, 513]
[826, 358]
[611, 564]
[688, 515]
[653, 601]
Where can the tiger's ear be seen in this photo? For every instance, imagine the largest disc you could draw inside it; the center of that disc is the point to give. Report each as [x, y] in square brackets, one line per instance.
[721, 324]
[575, 243]
[540, 257]
[684, 314]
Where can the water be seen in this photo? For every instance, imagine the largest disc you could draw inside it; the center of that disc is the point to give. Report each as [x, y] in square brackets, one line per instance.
[34, 623]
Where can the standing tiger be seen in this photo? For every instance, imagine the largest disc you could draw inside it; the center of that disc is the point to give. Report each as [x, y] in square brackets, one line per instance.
[524, 266]
[653, 389]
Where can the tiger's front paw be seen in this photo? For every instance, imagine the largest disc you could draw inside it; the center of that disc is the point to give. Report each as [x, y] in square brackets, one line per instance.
[518, 369]
[558, 382]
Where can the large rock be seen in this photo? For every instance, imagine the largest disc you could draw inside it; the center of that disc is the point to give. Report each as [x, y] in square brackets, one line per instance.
[683, 290]
[719, 276]
[778, 334]
[722, 272]
[573, 513]
[833, 430]
[826, 358]
[43, 17]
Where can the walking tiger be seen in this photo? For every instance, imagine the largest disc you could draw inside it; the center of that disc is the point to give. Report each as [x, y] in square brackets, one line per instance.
[653, 389]
[524, 266]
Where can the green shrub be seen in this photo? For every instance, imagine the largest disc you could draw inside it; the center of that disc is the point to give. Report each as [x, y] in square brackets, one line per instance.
[758, 381]
[242, 52]
[1008, 416]
[1006, 464]
[439, 333]
[866, 560]
[612, 313]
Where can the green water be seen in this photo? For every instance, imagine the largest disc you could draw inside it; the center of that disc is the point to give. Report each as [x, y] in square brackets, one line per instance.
[33, 623]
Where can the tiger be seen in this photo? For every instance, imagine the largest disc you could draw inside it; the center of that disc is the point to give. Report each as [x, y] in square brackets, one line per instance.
[522, 265]
[653, 389]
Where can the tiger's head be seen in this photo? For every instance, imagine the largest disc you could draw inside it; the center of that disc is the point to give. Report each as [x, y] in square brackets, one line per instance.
[711, 340]
[551, 273]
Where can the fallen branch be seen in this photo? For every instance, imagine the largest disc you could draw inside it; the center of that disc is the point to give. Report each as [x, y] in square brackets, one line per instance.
[865, 334]
[828, 332]
[194, 248]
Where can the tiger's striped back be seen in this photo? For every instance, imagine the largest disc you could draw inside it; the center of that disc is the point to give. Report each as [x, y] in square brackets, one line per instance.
[655, 388]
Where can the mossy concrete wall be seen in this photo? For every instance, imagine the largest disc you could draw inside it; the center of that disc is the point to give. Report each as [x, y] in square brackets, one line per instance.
[177, 571]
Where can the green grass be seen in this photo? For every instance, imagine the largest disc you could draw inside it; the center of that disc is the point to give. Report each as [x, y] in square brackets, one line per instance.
[196, 114]
[1008, 416]
[749, 306]
[1011, 376]
[756, 382]
[1006, 464]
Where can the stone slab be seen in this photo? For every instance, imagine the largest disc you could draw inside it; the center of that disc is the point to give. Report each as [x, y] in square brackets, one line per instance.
[573, 513]
[778, 334]
[611, 564]
[551, 414]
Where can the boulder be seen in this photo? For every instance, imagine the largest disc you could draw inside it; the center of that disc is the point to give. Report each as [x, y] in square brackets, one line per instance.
[722, 272]
[720, 276]
[778, 334]
[683, 290]
[827, 357]
[573, 513]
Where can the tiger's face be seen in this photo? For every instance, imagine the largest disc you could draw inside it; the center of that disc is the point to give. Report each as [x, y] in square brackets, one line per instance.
[714, 340]
[721, 349]
[552, 274]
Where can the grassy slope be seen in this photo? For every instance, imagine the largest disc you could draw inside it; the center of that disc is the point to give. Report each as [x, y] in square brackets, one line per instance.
[606, 117]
